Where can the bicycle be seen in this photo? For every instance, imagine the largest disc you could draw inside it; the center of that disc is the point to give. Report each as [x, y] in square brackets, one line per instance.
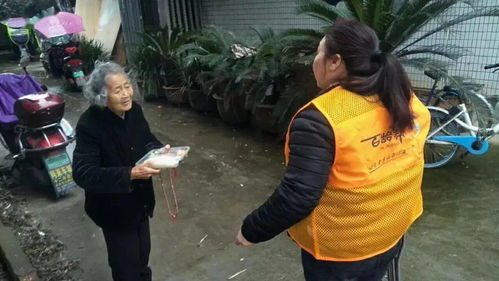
[480, 110]
[453, 128]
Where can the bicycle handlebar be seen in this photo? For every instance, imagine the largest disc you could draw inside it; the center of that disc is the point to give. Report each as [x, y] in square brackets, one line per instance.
[491, 66]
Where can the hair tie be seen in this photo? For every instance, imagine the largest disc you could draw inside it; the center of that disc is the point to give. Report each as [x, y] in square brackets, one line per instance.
[378, 56]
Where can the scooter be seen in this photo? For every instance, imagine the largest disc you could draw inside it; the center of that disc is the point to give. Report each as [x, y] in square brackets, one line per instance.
[61, 56]
[53, 54]
[34, 131]
[19, 34]
[73, 68]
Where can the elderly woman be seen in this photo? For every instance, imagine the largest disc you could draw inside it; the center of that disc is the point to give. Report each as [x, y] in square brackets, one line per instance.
[111, 135]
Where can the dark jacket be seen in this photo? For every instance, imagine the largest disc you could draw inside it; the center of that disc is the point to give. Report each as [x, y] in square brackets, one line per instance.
[311, 157]
[107, 148]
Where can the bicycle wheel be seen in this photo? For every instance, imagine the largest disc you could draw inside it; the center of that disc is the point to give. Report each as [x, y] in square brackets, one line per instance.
[438, 154]
[480, 110]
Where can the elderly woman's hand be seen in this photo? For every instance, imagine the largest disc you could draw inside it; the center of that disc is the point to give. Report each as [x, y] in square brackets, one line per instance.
[143, 172]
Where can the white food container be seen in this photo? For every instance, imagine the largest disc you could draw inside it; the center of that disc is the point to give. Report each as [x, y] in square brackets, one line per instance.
[162, 159]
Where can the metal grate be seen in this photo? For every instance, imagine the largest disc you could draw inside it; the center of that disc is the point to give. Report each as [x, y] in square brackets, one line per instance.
[480, 36]
[132, 25]
[183, 14]
[240, 15]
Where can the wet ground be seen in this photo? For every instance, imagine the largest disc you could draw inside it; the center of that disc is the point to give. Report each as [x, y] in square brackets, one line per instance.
[231, 171]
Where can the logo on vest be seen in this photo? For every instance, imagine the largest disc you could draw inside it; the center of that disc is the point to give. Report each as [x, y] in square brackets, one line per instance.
[385, 137]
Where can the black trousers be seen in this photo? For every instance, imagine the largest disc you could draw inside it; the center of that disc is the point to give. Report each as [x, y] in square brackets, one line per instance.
[372, 269]
[128, 252]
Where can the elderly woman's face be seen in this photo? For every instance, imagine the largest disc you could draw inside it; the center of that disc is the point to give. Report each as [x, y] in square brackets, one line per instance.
[119, 93]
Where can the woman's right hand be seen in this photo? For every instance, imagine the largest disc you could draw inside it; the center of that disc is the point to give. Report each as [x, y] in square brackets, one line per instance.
[143, 172]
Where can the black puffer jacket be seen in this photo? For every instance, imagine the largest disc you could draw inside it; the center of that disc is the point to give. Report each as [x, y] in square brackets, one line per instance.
[310, 160]
[107, 148]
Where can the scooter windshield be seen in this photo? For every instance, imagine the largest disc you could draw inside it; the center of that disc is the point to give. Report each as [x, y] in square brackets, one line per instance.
[60, 40]
[19, 36]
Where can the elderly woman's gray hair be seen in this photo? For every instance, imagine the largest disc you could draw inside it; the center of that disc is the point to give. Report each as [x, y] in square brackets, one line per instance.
[95, 89]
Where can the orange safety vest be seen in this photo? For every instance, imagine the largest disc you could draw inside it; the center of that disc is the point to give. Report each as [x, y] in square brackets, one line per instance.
[373, 193]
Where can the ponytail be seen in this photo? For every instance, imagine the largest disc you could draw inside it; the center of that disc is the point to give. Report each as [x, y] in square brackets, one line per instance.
[372, 71]
[394, 89]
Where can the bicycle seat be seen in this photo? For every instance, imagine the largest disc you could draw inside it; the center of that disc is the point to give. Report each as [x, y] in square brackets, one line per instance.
[434, 74]
[450, 89]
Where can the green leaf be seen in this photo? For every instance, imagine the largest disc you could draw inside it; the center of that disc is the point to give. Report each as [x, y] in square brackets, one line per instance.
[415, 15]
[378, 14]
[452, 52]
[356, 7]
[426, 63]
[303, 33]
[484, 12]
[265, 34]
[323, 11]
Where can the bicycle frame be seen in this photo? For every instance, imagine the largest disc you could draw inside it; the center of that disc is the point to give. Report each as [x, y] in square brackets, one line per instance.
[473, 143]
[432, 93]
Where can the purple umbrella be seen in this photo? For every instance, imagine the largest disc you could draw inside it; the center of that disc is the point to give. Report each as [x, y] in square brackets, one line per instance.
[61, 24]
[16, 22]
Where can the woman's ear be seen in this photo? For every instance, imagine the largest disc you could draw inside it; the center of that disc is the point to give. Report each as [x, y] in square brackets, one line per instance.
[334, 62]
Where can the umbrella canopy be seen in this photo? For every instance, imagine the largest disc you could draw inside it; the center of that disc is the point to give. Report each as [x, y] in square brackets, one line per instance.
[61, 24]
[16, 22]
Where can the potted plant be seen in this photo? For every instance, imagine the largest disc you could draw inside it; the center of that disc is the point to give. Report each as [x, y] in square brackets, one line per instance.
[160, 64]
[90, 52]
[235, 86]
[146, 69]
[231, 97]
[217, 55]
[274, 68]
[198, 92]
[174, 83]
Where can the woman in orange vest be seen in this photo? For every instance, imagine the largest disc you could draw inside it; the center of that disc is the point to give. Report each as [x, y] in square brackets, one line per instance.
[354, 157]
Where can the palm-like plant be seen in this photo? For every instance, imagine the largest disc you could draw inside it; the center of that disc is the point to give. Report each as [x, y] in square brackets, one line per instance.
[398, 24]
[219, 62]
[272, 65]
[92, 51]
[401, 26]
[277, 91]
[146, 69]
[157, 59]
[211, 57]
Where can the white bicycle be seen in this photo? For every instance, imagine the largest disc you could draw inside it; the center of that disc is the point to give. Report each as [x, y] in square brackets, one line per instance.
[453, 128]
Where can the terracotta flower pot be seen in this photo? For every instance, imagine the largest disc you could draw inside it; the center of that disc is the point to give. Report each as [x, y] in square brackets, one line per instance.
[201, 102]
[232, 111]
[176, 95]
[263, 118]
